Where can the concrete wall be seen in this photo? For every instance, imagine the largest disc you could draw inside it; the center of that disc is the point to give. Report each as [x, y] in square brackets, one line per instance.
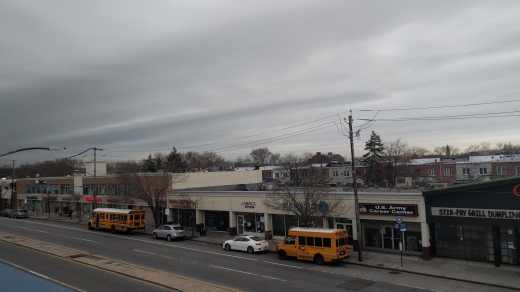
[221, 178]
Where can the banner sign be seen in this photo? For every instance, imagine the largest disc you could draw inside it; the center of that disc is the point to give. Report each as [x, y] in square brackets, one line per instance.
[476, 213]
[388, 209]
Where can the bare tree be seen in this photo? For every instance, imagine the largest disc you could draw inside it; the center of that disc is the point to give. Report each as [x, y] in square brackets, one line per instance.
[275, 159]
[309, 202]
[295, 167]
[397, 155]
[307, 155]
[260, 156]
[150, 187]
[191, 204]
[417, 152]
[47, 200]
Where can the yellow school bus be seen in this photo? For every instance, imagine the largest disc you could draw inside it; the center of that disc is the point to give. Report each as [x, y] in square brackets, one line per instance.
[124, 220]
[315, 244]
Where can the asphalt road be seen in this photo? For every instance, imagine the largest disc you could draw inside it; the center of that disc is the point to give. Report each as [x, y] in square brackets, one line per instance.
[28, 270]
[238, 270]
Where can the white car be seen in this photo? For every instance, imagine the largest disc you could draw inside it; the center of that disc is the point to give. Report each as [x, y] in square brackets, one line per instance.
[250, 244]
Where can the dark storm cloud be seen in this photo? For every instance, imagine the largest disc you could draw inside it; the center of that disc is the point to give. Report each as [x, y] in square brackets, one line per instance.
[135, 78]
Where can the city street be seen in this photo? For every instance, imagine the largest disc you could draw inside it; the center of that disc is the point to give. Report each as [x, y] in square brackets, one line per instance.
[209, 263]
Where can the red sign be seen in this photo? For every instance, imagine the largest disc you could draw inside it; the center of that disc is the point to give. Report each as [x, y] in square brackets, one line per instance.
[516, 190]
[181, 203]
[90, 199]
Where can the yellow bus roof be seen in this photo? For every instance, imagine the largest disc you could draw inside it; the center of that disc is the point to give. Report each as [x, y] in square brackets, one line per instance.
[315, 229]
[116, 211]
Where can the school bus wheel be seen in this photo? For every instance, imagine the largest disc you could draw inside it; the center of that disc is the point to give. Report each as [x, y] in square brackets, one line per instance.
[282, 255]
[90, 226]
[318, 259]
[113, 229]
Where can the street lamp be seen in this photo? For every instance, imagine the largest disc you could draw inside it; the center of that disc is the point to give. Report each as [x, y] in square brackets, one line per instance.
[20, 150]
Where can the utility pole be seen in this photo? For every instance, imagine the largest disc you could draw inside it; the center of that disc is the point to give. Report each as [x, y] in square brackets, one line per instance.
[356, 201]
[94, 205]
[12, 192]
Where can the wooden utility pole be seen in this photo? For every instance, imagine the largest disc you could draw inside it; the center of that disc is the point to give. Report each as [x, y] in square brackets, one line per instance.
[94, 205]
[14, 199]
[356, 201]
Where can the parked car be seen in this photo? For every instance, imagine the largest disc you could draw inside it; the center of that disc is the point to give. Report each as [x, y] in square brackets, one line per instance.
[5, 212]
[18, 213]
[250, 244]
[169, 231]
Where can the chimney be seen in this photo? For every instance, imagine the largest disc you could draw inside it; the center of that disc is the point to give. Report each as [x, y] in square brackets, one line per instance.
[448, 150]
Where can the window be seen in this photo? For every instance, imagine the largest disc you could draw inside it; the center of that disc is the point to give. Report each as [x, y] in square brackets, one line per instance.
[335, 173]
[400, 180]
[518, 170]
[67, 189]
[501, 170]
[285, 174]
[447, 171]
[483, 170]
[310, 241]
[465, 171]
[277, 175]
[268, 175]
[432, 172]
[301, 240]
[318, 241]
[326, 242]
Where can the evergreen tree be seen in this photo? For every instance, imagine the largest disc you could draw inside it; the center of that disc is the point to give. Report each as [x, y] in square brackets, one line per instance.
[149, 164]
[175, 162]
[373, 158]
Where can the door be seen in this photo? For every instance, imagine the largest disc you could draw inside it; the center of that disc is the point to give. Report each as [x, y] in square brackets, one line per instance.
[391, 237]
[240, 224]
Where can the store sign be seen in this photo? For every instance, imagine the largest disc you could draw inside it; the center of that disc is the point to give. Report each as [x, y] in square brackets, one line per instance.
[388, 209]
[476, 213]
[91, 199]
[187, 204]
[250, 205]
[32, 197]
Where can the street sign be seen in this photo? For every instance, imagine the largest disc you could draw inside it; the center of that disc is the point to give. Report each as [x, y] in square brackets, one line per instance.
[399, 219]
[402, 225]
[396, 226]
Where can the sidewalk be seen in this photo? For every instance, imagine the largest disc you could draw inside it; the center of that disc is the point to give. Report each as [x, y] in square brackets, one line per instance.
[462, 270]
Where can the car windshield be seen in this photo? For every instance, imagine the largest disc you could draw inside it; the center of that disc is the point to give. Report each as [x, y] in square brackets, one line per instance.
[256, 238]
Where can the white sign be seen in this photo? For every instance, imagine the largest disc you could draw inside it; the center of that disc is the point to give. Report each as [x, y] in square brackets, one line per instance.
[476, 213]
[167, 212]
[510, 245]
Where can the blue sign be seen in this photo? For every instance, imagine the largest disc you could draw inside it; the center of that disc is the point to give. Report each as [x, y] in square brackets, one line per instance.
[323, 207]
[402, 226]
[399, 219]
[396, 226]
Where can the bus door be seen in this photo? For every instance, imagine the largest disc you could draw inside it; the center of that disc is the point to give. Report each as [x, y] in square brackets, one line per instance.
[290, 246]
[97, 220]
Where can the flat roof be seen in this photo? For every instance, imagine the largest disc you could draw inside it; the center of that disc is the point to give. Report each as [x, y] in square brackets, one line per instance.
[113, 210]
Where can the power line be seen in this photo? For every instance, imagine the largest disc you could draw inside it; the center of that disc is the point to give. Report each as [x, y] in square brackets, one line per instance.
[445, 106]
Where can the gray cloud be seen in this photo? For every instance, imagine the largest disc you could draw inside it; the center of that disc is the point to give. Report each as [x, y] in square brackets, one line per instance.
[135, 78]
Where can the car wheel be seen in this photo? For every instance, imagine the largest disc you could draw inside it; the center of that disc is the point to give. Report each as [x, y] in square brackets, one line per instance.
[227, 247]
[113, 229]
[318, 259]
[250, 249]
[282, 255]
[90, 226]
[169, 237]
[154, 236]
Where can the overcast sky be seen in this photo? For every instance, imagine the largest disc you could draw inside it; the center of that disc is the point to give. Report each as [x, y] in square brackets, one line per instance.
[137, 77]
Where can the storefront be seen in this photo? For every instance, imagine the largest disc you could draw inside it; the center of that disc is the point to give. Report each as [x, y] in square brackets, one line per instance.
[383, 229]
[477, 222]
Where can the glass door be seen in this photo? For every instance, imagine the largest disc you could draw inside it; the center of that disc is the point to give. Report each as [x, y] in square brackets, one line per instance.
[240, 224]
[391, 237]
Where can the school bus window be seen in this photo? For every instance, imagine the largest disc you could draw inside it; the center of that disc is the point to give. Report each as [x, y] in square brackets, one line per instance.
[301, 240]
[327, 242]
[318, 241]
[342, 241]
[310, 241]
[131, 217]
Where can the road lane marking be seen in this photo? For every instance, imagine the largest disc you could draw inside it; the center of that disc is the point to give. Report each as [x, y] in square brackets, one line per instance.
[248, 273]
[228, 255]
[296, 267]
[143, 251]
[42, 276]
